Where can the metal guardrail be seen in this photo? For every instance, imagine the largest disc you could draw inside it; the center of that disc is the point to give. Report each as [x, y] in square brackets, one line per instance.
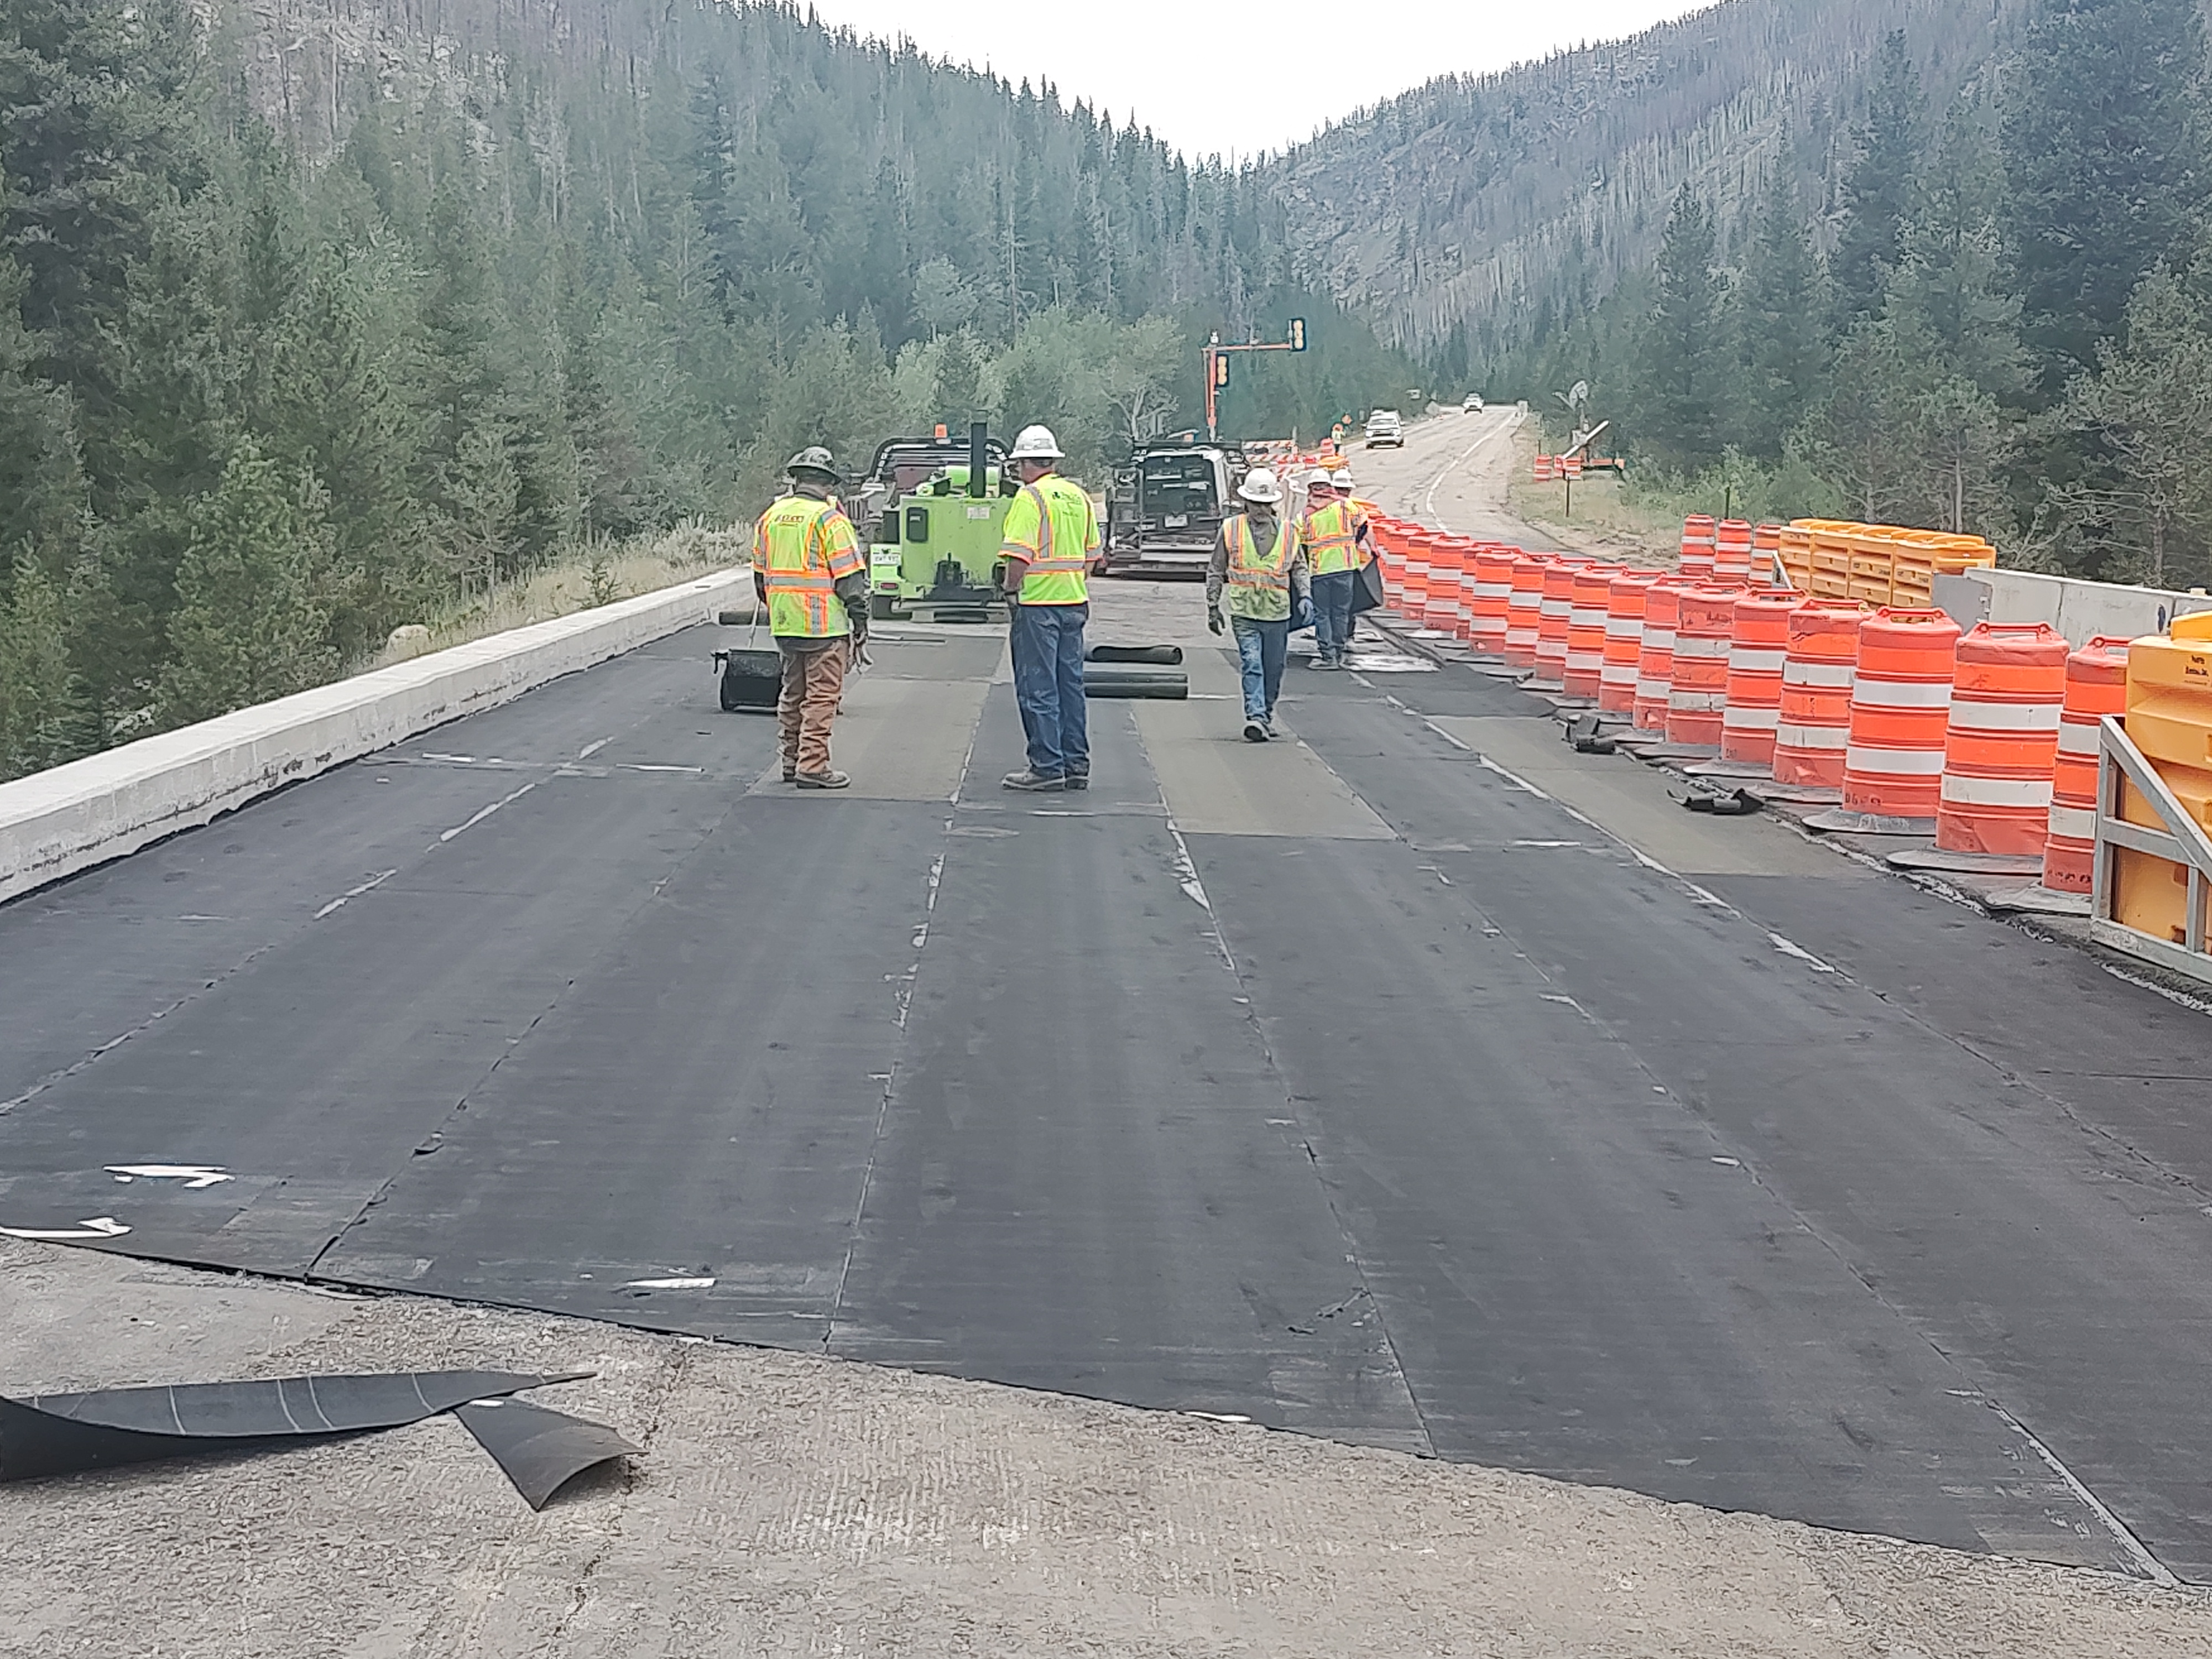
[2182, 842]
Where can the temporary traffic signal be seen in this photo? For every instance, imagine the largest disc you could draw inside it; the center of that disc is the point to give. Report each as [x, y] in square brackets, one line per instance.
[1220, 370]
[1298, 334]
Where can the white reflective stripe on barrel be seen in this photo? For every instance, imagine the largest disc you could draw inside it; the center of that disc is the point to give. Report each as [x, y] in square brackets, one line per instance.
[2077, 737]
[1752, 719]
[1893, 762]
[1902, 694]
[1811, 737]
[2074, 823]
[1978, 716]
[1756, 659]
[1834, 675]
[1964, 791]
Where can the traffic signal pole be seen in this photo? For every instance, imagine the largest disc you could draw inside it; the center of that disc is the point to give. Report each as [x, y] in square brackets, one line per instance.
[1216, 355]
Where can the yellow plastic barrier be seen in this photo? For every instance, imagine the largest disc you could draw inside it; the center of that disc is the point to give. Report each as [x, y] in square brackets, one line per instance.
[1878, 564]
[2170, 720]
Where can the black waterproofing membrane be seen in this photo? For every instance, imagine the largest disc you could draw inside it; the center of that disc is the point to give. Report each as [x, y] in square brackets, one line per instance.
[68, 1433]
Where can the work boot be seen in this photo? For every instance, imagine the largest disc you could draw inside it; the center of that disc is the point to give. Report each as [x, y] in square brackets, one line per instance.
[1035, 782]
[1077, 780]
[790, 767]
[1256, 729]
[830, 780]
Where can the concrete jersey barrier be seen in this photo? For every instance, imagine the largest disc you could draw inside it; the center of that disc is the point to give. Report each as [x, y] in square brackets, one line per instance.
[69, 817]
[2077, 610]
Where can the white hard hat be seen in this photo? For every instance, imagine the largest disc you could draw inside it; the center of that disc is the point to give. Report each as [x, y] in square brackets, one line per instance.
[1035, 443]
[1260, 485]
[1343, 478]
[1320, 478]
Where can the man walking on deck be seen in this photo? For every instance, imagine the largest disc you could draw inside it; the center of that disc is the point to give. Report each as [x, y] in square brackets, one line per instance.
[1049, 546]
[1259, 563]
[1331, 535]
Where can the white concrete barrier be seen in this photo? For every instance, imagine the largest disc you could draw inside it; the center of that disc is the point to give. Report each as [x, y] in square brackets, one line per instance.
[2078, 609]
[71, 818]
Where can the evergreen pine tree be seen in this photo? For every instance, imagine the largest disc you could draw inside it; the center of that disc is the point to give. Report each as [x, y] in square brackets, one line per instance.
[2102, 146]
[250, 623]
[1783, 347]
[1877, 191]
[1682, 368]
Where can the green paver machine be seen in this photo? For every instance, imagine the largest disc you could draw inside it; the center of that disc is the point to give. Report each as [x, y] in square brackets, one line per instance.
[934, 510]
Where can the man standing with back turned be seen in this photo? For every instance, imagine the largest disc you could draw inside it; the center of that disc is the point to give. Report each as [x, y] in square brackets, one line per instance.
[808, 570]
[1049, 544]
[1331, 534]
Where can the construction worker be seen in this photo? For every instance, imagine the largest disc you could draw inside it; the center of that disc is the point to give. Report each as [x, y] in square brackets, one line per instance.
[1049, 545]
[1331, 535]
[1260, 565]
[1363, 537]
[809, 571]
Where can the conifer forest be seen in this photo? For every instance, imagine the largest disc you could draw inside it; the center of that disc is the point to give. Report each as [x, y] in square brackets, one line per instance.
[322, 317]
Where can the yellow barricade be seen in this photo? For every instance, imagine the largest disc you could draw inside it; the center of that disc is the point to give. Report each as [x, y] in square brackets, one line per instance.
[2169, 719]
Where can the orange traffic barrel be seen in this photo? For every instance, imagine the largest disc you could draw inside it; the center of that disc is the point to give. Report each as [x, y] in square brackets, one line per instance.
[1900, 711]
[1625, 599]
[1654, 659]
[1463, 623]
[1699, 695]
[1552, 618]
[1523, 605]
[1767, 569]
[2001, 744]
[1494, 587]
[1415, 604]
[1546, 469]
[1697, 538]
[2096, 685]
[1447, 557]
[1732, 550]
[1816, 725]
[1593, 592]
[1758, 647]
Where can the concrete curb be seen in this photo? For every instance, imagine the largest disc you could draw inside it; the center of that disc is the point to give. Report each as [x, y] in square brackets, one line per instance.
[56, 822]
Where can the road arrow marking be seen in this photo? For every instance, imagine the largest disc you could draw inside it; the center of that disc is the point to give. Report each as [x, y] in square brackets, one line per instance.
[99, 1226]
[194, 1176]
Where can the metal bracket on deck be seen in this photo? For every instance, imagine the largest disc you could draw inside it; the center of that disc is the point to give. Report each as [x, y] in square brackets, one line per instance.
[2182, 842]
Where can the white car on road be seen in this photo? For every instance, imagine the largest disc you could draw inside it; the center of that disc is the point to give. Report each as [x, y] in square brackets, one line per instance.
[1383, 427]
[1474, 404]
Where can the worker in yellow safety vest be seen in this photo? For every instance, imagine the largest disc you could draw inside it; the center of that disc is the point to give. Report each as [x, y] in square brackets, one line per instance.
[1363, 535]
[1333, 535]
[1259, 565]
[809, 571]
[1048, 547]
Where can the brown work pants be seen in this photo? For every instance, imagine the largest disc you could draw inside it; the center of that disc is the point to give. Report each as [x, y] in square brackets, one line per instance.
[807, 703]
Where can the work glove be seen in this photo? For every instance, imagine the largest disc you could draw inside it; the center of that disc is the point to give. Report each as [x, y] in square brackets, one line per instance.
[1213, 621]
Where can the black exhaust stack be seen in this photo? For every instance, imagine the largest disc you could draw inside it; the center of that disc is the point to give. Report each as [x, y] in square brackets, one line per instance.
[978, 437]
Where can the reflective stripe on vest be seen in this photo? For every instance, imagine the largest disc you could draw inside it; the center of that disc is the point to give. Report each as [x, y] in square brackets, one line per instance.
[1055, 573]
[792, 550]
[1259, 585]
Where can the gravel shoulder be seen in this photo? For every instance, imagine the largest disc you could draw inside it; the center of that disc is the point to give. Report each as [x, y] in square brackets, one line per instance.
[786, 1504]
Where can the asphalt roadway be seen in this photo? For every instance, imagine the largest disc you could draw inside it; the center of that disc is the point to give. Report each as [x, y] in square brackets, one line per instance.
[1411, 1082]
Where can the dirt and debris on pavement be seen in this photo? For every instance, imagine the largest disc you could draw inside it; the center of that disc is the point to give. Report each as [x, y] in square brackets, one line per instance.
[788, 1505]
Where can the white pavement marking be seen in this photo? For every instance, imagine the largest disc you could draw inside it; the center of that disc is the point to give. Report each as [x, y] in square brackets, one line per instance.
[338, 903]
[99, 1226]
[668, 1285]
[194, 1176]
[592, 748]
[1429, 501]
[1790, 948]
[478, 816]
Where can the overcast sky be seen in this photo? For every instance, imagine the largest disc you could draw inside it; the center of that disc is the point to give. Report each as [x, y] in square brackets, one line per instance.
[1210, 78]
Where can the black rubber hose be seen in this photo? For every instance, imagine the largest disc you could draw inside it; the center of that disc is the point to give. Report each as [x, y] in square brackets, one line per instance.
[1167, 656]
[1112, 682]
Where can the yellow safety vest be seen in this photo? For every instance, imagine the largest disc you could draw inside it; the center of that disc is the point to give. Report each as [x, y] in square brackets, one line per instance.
[1330, 532]
[801, 547]
[1259, 583]
[1052, 526]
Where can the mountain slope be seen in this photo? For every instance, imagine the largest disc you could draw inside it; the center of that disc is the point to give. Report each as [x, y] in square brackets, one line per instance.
[1449, 215]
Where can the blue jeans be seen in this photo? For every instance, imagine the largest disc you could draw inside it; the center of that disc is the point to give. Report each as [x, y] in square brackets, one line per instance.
[1047, 641]
[1261, 647]
[1332, 604]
